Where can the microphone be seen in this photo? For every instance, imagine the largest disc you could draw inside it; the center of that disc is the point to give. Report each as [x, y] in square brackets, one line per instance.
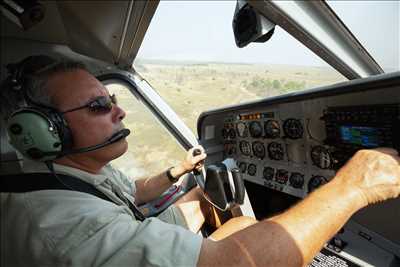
[38, 154]
[113, 139]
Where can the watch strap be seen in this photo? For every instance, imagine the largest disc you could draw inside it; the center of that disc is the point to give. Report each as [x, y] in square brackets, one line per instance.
[171, 178]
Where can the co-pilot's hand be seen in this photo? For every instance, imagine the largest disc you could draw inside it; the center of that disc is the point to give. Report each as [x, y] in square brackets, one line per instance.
[192, 162]
[375, 173]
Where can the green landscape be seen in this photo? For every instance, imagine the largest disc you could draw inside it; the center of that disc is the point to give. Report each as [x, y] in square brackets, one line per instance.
[191, 88]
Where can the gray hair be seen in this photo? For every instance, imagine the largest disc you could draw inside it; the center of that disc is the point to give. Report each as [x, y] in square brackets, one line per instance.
[32, 87]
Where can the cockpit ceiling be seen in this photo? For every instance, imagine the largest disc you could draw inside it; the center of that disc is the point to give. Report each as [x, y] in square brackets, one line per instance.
[111, 31]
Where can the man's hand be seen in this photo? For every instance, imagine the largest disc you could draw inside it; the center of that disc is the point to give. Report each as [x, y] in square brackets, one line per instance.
[374, 173]
[192, 162]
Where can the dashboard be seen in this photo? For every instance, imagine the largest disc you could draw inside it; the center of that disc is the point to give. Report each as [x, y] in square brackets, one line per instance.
[283, 150]
[287, 146]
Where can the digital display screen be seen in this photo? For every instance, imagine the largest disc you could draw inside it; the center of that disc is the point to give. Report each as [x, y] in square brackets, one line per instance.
[360, 135]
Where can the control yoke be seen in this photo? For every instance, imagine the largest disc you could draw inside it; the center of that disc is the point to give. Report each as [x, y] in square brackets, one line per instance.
[223, 186]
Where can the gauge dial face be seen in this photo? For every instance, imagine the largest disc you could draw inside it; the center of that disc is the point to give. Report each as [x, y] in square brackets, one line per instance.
[252, 169]
[272, 129]
[242, 167]
[258, 150]
[230, 148]
[293, 128]
[241, 128]
[224, 133]
[275, 151]
[231, 133]
[255, 129]
[296, 180]
[321, 157]
[245, 148]
[315, 182]
[268, 173]
[282, 176]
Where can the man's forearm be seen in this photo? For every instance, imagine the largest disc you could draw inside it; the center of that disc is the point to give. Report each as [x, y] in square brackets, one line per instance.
[319, 217]
[151, 188]
[292, 238]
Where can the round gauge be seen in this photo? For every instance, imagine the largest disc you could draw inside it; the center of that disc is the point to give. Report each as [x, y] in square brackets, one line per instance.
[241, 128]
[230, 149]
[275, 151]
[242, 167]
[224, 133]
[258, 150]
[245, 148]
[272, 129]
[321, 157]
[252, 169]
[315, 182]
[293, 128]
[296, 180]
[282, 176]
[231, 133]
[255, 129]
[268, 173]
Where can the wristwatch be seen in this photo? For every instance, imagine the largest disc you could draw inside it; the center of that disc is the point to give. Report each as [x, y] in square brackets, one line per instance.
[171, 178]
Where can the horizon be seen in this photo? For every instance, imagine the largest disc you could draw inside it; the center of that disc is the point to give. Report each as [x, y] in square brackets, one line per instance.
[139, 61]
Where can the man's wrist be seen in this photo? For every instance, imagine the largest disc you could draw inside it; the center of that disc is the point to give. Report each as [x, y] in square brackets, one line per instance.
[349, 192]
[177, 171]
[171, 177]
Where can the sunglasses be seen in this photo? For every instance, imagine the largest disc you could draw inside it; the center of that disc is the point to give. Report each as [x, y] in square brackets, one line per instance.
[101, 104]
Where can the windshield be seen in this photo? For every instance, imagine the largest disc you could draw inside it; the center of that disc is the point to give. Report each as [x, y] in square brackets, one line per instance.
[376, 25]
[189, 56]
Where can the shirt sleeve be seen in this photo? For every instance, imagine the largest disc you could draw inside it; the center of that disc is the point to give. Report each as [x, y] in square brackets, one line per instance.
[126, 183]
[101, 233]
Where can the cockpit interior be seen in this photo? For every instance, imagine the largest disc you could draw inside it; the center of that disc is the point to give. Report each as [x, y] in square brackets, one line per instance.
[282, 147]
[286, 147]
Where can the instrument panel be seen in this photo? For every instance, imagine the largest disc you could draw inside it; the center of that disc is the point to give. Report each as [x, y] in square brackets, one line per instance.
[288, 146]
[295, 146]
[271, 150]
[281, 153]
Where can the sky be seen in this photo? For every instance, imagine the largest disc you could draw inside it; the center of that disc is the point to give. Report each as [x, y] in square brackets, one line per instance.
[202, 31]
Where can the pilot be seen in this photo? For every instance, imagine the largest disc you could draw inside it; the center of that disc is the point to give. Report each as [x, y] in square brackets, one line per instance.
[52, 228]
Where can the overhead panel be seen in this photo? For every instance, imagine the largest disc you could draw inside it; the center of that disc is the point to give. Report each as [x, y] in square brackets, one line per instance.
[49, 30]
[111, 31]
[93, 28]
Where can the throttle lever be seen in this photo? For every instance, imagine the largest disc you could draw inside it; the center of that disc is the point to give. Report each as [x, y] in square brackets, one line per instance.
[196, 152]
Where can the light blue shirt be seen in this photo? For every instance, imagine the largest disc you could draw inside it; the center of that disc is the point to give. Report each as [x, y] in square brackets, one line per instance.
[70, 228]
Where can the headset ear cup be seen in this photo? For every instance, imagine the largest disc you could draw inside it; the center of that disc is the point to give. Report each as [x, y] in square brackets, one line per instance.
[64, 131]
[33, 134]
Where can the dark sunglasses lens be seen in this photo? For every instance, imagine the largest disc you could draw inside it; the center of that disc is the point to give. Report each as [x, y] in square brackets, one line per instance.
[113, 99]
[101, 104]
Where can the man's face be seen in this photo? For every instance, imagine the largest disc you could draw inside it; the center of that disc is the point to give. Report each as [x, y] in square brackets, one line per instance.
[74, 89]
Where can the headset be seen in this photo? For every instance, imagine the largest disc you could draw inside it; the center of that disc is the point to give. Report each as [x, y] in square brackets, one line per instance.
[38, 131]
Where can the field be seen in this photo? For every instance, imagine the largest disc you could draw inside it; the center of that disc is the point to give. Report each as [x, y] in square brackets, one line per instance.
[191, 88]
